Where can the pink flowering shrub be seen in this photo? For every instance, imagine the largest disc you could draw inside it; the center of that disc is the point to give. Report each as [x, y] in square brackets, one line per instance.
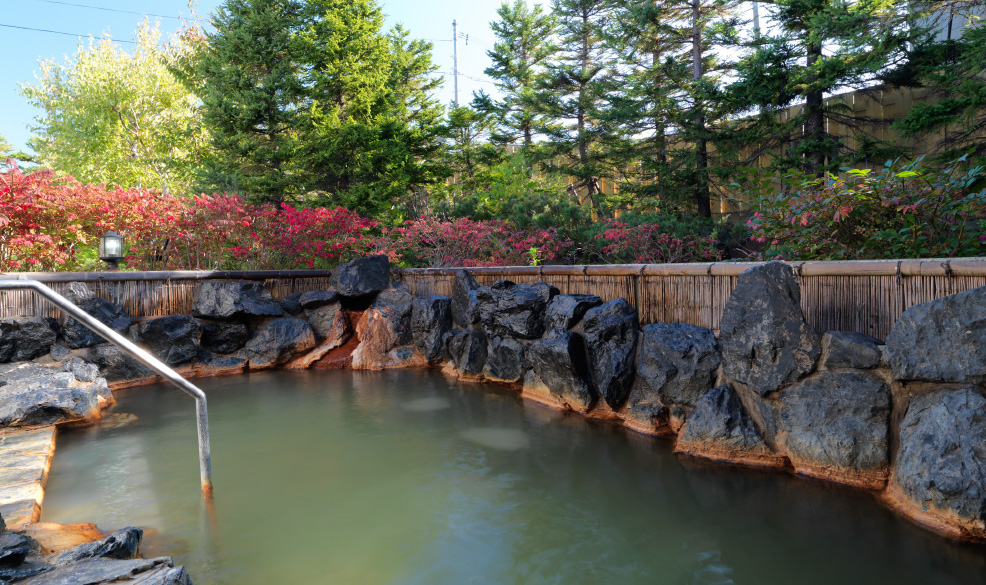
[648, 244]
[911, 212]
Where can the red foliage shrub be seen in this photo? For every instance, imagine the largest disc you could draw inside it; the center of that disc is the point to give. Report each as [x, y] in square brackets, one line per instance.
[647, 244]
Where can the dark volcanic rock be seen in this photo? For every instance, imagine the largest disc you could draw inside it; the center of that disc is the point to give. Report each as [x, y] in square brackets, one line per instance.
[468, 350]
[173, 340]
[504, 360]
[848, 349]
[766, 343]
[943, 340]
[291, 305]
[362, 276]
[323, 317]
[223, 336]
[431, 319]
[514, 310]
[24, 338]
[465, 311]
[838, 422]
[117, 366]
[678, 362]
[81, 369]
[14, 548]
[565, 311]
[611, 332]
[28, 568]
[559, 361]
[721, 426]
[279, 340]
[59, 352]
[33, 394]
[77, 335]
[232, 299]
[122, 544]
[314, 299]
[941, 463]
[157, 571]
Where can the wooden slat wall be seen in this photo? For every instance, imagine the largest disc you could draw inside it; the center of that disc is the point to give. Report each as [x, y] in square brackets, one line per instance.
[848, 296]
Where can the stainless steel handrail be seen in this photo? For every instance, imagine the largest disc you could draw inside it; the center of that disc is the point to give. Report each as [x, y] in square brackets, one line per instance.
[127, 346]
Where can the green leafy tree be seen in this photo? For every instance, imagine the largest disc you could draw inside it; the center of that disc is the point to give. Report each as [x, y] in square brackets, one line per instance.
[252, 94]
[523, 47]
[123, 118]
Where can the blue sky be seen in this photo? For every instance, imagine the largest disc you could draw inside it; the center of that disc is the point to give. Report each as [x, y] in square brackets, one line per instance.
[23, 49]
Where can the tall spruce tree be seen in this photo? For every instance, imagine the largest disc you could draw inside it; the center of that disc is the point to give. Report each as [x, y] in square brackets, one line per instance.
[252, 96]
[523, 46]
[818, 47]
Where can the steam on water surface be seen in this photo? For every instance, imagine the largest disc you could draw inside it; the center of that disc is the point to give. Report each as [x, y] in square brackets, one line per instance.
[408, 478]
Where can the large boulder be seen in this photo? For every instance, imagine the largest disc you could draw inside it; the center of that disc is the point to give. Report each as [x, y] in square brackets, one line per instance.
[24, 338]
[504, 360]
[468, 350]
[766, 342]
[156, 571]
[465, 310]
[611, 335]
[384, 332]
[565, 311]
[14, 548]
[277, 341]
[514, 310]
[678, 362]
[34, 394]
[314, 299]
[323, 317]
[117, 366]
[721, 428]
[431, 319]
[224, 336]
[362, 276]
[123, 544]
[291, 305]
[939, 473]
[234, 299]
[558, 359]
[837, 427]
[943, 340]
[850, 350]
[173, 340]
[77, 335]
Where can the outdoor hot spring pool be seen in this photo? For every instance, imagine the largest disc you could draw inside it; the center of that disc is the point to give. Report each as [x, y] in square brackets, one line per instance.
[407, 477]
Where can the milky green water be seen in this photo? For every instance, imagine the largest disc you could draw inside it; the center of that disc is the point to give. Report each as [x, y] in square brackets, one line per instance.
[408, 478]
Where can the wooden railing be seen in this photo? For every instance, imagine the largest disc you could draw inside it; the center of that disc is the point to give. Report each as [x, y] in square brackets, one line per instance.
[865, 296]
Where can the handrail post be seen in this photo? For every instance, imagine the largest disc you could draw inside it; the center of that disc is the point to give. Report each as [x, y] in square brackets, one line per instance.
[128, 347]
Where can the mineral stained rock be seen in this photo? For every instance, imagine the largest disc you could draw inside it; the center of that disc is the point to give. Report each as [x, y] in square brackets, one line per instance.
[278, 341]
[34, 394]
[720, 428]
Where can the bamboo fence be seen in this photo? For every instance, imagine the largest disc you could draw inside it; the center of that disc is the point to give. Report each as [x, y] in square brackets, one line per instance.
[864, 296]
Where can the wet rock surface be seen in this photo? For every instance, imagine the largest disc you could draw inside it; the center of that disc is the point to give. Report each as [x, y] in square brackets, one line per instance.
[766, 342]
[173, 340]
[34, 394]
[468, 349]
[514, 310]
[14, 548]
[277, 341]
[611, 336]
[224, 336]
[230, 299]
[720, 426]
[677, 363]
[24, 338]
[559, 361]
[431, 319]
[504, 360]
[941, 463]
[565, 311]
[465, 309]
[362, 276]
[848, 349]
[942, 340]
[838, 422]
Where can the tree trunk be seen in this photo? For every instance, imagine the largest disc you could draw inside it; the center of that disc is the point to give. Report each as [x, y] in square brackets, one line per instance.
[814, 131]
[702, 197]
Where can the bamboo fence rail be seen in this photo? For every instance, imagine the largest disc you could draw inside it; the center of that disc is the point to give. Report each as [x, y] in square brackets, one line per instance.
[865, 296]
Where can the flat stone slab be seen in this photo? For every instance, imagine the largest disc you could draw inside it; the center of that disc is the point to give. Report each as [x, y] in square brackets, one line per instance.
[25, 457]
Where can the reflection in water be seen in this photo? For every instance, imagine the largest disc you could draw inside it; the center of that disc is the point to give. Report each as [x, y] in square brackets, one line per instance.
[409, 478]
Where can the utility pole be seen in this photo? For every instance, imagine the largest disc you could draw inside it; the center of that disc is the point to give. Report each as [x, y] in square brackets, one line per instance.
[455, 61]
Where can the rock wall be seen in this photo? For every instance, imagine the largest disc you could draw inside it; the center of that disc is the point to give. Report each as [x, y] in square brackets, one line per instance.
[906, 418]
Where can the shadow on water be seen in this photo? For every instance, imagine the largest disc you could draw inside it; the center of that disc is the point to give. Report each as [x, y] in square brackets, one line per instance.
[406, 477]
